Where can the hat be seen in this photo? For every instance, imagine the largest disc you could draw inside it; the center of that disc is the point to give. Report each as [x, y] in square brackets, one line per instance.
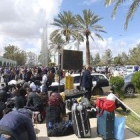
[111, 97]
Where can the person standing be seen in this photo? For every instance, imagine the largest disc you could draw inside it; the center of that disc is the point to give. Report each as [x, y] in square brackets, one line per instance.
[86, 82]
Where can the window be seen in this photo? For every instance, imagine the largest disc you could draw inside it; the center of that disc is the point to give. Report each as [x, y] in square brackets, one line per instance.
[98, 77]
[77, 79]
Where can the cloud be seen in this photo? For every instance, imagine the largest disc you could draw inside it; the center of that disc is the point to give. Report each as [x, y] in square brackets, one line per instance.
[22, 20]
[89, 2]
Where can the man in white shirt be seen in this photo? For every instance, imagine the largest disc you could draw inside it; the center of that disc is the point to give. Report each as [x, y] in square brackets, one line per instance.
[43, 87]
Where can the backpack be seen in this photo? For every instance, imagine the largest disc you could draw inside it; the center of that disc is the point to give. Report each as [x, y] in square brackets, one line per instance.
[53, 115]
[55, 99]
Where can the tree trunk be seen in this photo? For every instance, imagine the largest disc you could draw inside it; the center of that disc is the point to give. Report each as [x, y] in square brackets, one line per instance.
[87, 52]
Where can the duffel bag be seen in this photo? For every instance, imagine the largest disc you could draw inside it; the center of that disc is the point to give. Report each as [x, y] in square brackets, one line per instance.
[60, 129]
[105, 104]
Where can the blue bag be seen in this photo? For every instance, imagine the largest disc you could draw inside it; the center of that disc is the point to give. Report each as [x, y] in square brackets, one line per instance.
[119, 128]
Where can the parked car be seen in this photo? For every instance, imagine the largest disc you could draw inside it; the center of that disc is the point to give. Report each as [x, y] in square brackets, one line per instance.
[54, 86]
[100, 69]
[100, 84]
[131, 68]
[128, 88]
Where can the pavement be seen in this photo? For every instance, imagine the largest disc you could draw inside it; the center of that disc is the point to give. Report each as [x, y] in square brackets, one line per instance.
[41, 133]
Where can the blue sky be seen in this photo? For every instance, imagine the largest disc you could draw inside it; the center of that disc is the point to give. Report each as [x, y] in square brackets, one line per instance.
[122, 40]
[22, 21]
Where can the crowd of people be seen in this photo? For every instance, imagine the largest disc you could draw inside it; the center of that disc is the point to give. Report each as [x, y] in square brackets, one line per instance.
[26, 90]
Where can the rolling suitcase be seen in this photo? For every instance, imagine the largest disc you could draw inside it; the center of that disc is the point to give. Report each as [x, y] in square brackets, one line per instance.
[81, 124]
[105, 125]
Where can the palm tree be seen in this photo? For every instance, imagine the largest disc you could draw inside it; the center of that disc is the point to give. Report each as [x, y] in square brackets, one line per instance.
[87, 24]
[56, 44]
[130, 14]
[66, 26]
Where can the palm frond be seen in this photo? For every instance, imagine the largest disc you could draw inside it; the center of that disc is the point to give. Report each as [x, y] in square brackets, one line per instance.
[87, 15]
[95, 19]
[80, 21]
[91, 37]
[97, 35]
[134, 6]
[119, 2]
[108, 2]
[57, 22]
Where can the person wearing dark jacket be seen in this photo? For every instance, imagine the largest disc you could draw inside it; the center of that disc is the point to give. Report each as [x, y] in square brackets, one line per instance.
[86, 82]
[34, 101]
[17, 99]
[17, 125]
[2, 107]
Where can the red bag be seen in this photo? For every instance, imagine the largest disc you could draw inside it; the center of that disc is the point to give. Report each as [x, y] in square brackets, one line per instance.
[105, 104]
[55, 99]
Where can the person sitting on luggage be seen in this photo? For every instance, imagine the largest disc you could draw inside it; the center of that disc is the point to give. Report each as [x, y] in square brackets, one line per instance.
[118, 103]
[34, 101]
[17, 125]
[55, 99]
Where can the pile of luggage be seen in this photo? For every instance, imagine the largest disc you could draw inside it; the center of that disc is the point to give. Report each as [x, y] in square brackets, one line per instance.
[78, 119]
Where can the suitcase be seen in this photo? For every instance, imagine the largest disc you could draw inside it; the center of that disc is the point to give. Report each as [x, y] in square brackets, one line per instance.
[80, 119]
[69, 103]
[105, 125]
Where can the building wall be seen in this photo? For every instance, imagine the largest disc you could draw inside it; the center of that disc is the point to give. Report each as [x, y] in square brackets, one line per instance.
[7, 62]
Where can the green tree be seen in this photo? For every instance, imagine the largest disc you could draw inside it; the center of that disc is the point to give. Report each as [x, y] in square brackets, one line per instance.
[117, 60]
[125, 58]
[56, 43]
[14, 53]
[91, 60]
[10, 52]
[66, 23]
[117, 82]
[134, 55]
[97, 59]
[107, 57]
[86, 25]
[131, 11]
[32, 59]
[136, 81]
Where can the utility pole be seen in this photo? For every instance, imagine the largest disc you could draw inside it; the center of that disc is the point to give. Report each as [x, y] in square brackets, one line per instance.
[59, 67]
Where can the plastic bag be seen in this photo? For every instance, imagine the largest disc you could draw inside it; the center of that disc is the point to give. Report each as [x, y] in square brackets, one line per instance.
[119, 128]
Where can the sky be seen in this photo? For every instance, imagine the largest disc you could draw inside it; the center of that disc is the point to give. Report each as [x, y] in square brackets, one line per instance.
[22, 21]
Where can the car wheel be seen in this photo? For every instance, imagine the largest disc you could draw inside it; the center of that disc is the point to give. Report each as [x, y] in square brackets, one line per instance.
[129, 91]
[97, 91]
